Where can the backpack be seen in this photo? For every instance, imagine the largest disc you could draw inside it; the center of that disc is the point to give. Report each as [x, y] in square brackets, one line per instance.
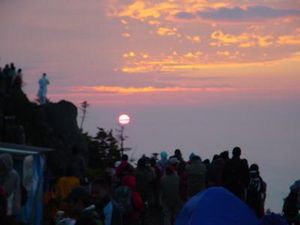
[123, 199]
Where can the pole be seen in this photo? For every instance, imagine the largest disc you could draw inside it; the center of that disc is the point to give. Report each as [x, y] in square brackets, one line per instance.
[122, 140]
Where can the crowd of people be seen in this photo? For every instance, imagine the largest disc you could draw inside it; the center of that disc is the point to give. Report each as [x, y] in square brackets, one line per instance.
[152, 192]
[11, 78]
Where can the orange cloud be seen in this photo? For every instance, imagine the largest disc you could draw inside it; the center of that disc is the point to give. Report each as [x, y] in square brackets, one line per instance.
[193, 54]
[264, 41]
[195, 61]
[244, 40]
[148, 89]
[166, 10]
[126, 35]
[290, 39]
[130, 54]
[163, 31]
[194, 39]
[143, 10]
[228, 39]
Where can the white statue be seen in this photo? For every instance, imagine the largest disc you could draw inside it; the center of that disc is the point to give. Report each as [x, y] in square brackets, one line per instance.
[43, 83]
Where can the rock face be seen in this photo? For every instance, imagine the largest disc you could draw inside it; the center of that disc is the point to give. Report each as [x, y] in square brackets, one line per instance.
[52, 125]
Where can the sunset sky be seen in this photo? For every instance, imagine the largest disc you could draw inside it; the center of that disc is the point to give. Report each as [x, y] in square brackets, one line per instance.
[202, 75]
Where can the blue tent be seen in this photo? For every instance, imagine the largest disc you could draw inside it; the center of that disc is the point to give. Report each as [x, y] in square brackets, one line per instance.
[29, 162]
[216, 206]
[273, 219]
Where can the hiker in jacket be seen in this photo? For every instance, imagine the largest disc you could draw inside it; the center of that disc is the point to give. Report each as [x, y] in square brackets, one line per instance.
[111, 214]
[66, 183]
[133, 217]
[81, 208]
[256, 191]
[145, 179]
[170, 195]
[10, 181]
[195, 175]
[236, 174]
[163, 162]
[215, 171]
[125, 168]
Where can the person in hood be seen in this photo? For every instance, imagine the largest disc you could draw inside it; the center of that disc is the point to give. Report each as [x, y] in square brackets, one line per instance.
[163, 162]
[136, 199]
[10, 181]
[125, 168]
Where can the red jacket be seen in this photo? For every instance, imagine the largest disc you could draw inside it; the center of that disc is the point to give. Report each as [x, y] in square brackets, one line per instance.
[123, 169]
[137, 201]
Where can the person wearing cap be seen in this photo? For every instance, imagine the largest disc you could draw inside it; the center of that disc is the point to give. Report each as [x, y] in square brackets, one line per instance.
[256, 191]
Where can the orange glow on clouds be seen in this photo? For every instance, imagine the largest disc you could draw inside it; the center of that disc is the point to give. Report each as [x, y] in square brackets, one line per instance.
[290, 39]
[193, 61]
[149, 89]
[244, 40]
[205, 42]
[163, 31]
[170, 47]
[143, 10]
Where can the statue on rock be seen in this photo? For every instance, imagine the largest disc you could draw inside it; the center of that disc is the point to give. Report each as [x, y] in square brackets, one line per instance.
[43, 83]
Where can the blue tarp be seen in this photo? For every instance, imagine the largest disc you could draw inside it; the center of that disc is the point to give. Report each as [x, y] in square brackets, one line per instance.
[32, 212]
[216, 206]
[29, 162]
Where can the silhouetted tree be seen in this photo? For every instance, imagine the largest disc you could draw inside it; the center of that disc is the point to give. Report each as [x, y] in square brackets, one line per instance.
[103, 149]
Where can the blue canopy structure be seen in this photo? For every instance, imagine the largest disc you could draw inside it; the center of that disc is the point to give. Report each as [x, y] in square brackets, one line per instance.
[29, 162]
[216, 206]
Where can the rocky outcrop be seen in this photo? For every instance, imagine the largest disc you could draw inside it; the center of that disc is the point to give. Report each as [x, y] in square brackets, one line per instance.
[52, 125]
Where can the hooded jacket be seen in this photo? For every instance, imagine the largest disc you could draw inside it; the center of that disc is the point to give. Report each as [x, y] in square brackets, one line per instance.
[10, 181]
[137, 201]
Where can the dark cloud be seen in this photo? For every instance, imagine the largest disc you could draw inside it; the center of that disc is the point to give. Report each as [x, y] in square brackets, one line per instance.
[251, 13]
[185, 15]
[237, 13]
